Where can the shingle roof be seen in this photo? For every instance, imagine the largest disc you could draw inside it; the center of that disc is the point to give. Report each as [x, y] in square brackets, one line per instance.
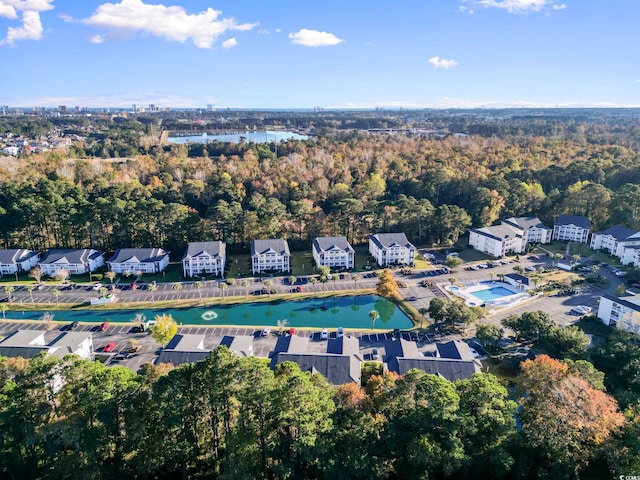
[322, 244]
[621, 300]
[14, 255]
[138, 255]
[338, 369]
[240, 345]
[70, 256]
[577, 220]
[23, 338]
[498, 232]
[346, 345]
[525, 223]
[278, 245]
[454, 349]
[446, 368]
[24, 352]
[178, 357]
[618, 232]
[207, 249]
[386, 240]
[186, 343]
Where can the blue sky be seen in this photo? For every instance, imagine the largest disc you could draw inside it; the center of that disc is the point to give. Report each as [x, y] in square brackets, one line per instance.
[302, 54]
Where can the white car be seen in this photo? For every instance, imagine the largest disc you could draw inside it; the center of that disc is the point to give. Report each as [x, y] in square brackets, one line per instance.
[266, 331]
[340, 332]
[324, 335]
[474, 352]
[97, 286]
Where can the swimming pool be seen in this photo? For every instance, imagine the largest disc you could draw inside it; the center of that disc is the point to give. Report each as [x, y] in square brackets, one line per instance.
[492, 293]
[327, 312]
[489, 294]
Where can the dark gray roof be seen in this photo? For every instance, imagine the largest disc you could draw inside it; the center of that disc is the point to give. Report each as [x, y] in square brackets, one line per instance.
[525, 223]
[620, 300]
[577, 220]
[338, 369]
[346, 345]
[618, 232]
[449, 369]
[70, 256]
[498, 232]
[176, 357]
[454, 349]
[205, 249]
[71, 339]
[518, 278]
[322, 244]
[186, 343]
[278, 245]
[239, 345]
[290, 344]
[24, 352]
[24, 338]
[14, 255]
[386, 240]
[138, 255]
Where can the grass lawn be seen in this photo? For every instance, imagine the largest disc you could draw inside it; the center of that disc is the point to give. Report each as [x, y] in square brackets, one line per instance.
[595, 327]
[471, 254]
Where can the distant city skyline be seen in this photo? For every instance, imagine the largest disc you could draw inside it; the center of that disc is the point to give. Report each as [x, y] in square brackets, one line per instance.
[331, 54]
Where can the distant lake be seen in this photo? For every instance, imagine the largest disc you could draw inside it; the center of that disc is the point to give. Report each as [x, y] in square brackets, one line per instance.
[331, 312]
[255, 137]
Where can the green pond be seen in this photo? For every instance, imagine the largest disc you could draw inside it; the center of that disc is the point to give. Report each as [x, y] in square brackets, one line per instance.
[347, 312]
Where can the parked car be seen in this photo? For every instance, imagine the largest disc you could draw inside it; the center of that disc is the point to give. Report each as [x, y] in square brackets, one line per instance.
[103, 326]
[73, 326]
[298, 289]
[134, 285]
[474, 352]
[340, 332]
[375, 355]
[97, 287]
[109, 347]
[324, 334]
[529, 269]
[266, 331]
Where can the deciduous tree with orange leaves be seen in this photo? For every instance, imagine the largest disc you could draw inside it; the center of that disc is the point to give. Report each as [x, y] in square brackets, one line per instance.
[565, 421]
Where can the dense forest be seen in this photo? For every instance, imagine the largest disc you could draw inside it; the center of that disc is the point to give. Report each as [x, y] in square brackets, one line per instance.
[226, 417]
[347, 183]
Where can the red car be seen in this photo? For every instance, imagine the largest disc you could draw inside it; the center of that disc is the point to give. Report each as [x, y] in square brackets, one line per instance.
[103, 327]
[109, 347]
[298, 289]
[134, 285]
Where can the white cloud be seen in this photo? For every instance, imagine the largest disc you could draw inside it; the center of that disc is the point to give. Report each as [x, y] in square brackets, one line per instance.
[263, 31]
[314, 38]
[230, 43]
[278, 30]
[520, 6]
[98, 39]
[169, 22]
[31, 28]
[438, 62]
[464, 9]
[447, 102]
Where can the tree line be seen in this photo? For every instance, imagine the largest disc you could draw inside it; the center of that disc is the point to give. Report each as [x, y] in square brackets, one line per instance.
[351, 184]
[235, 418]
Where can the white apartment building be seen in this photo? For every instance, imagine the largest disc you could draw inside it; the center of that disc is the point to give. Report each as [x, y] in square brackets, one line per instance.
[512, 235]
[572, 228]
[17, 260]
[145, 260]
[615, 240]
[204, 257]
[76, 262]
[270, 255]
[621, 313]
[391, 249]
[333, 252]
